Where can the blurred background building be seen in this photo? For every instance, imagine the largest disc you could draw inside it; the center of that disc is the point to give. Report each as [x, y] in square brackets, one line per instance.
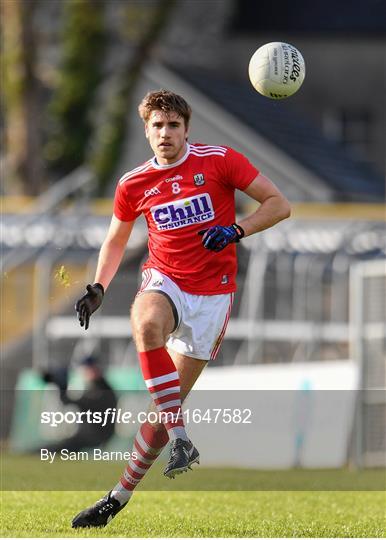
[311, 290]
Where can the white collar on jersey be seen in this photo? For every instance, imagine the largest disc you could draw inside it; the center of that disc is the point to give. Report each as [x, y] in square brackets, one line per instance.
[175, 164]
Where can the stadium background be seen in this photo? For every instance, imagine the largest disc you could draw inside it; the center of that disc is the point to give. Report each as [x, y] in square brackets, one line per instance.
[310, 311]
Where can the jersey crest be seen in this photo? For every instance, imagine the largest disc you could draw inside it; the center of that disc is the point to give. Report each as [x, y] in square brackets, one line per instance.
[199, 179]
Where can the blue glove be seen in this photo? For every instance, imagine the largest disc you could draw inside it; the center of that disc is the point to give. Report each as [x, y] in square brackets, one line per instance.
[217, 238]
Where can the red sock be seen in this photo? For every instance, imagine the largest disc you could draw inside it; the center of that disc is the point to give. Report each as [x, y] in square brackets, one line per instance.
[163, 383]
[148, 444]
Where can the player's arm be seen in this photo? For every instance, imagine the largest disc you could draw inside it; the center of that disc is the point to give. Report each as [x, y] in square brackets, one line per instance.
[109, 259]
[274, 207]
[112, 250]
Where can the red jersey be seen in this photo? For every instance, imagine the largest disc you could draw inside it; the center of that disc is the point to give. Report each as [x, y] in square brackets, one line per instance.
[180, 199]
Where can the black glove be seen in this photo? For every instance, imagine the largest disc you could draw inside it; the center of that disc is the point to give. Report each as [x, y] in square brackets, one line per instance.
[89, 303]
[217, 237]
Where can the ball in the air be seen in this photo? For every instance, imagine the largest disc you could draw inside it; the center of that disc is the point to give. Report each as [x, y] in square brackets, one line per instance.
[277, 70]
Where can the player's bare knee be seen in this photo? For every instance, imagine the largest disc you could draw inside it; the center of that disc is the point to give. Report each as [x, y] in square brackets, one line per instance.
[148, 333]
[150, 323]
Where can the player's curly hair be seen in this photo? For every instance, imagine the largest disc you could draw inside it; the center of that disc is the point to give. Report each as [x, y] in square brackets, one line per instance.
[166, 101]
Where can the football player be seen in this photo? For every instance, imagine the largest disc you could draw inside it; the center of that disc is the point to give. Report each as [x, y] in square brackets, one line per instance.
[179, 317]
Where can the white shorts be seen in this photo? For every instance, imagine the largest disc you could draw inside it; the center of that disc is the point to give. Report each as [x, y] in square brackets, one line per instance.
[201, 320]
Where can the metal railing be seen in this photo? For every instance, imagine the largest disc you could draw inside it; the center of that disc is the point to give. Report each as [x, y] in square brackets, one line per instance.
[294, 297]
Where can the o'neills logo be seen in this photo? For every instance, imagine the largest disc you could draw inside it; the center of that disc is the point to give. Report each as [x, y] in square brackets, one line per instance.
[183, 212]
[176, 178]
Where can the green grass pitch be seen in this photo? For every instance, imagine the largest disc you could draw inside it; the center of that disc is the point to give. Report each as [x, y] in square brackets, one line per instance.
[207, 502]
[202, 514]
